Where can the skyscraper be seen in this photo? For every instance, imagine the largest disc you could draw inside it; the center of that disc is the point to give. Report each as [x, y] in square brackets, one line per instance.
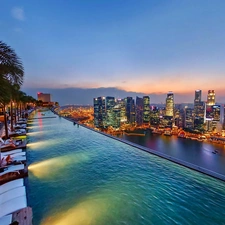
[198, 103]
[99, 112]
[154, 115]
[146, 110]
[188, 118]
[211, 97]
[170, 105]
[214, 118]
[139, 111]
[198, 96]
[130, 109]
[168, 119]
[116, 116]
[199, 111]
[122, 105]
[43, 97]
[110, 103]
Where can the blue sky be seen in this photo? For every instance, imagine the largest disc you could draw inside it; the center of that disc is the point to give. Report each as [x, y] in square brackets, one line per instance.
[147, 46]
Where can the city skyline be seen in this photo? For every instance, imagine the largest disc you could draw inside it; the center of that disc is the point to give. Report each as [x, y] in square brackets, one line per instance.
[85, 96]
[148, 47]
[202, 116]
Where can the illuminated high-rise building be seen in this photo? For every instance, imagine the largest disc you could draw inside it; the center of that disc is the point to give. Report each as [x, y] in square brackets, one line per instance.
[43, 97]
[168, 118]
[198, 96]
[198, 104]
[122, 105]
[199, 111]
[188, 118]
[139, 111]
[146, 110]
[99, 112]
[116, 116]
[130, 109]
[110, 103]
[154, 115]
[214, 118]
[197, 100]
[213, 112]
[211, 97]
[170, 105]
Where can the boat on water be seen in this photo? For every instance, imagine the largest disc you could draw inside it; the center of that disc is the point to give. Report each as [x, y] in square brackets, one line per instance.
[194, 138]
[156, 131]
[202, 138]
[215, 151]
[168, 133]
[136, 132]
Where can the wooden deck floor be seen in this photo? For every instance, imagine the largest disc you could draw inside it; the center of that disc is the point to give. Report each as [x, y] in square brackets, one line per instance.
[23, 216]
[9, 148]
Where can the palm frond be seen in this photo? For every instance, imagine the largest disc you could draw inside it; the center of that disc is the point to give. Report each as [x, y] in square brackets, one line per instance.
[11, 67]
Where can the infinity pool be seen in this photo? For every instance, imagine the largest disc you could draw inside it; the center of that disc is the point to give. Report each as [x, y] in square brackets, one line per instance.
[77, 176]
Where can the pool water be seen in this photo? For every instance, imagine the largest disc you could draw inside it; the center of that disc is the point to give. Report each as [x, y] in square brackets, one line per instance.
[77, 176]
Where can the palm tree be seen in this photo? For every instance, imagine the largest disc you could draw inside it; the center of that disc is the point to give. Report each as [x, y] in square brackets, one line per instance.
[11, 74]
[14, 100]
[5, 100]
[11, 67]
[21, 100]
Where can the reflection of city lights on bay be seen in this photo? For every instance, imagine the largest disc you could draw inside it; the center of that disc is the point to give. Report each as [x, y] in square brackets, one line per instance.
[50, 167]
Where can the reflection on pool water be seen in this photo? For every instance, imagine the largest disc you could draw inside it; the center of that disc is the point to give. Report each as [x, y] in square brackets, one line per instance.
[77, 176]
[96, 206]
[50, 167]
[36, 133]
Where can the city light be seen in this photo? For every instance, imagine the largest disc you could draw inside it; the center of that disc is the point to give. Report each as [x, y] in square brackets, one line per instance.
[125, 116]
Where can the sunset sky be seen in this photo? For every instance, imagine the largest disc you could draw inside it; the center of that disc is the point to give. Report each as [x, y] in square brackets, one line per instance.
[145, 46]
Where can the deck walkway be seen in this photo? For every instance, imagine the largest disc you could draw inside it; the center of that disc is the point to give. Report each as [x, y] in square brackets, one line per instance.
[23, 216]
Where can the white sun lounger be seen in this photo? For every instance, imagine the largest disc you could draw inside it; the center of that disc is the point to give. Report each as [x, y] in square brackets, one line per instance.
[13, 205]
[12, 168]
[6, 220]
[19, 158]
[11, 185]
[5, 154]
[11, 194]
[12, 151]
